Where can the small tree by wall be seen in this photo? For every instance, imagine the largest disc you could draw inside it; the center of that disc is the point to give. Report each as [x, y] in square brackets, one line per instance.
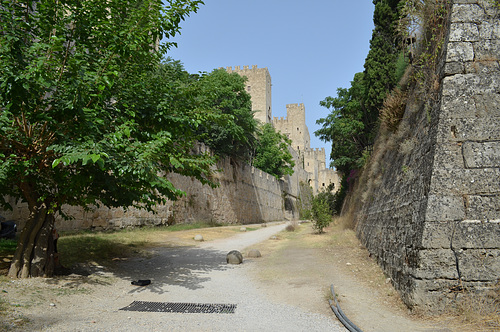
[321, 213]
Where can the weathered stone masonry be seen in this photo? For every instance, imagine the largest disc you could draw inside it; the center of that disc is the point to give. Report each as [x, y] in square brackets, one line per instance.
[436, 231]
[245, 195]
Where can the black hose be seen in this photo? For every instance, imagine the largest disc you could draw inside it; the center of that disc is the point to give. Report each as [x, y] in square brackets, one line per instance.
[340, 314]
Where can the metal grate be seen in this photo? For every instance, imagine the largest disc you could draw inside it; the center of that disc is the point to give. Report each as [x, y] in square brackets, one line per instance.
[181, 307]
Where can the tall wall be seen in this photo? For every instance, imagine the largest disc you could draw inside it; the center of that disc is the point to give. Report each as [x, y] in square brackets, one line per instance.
[432, 215]
[245, 195]
[259, 87]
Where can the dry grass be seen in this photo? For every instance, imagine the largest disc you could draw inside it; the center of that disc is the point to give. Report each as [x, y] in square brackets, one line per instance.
[393, 109]
[407, 146]
[479, 312]
[104, 248]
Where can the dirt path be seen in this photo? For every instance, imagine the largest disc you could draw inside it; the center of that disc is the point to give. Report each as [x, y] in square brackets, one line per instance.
[286, 289]
[305, 264]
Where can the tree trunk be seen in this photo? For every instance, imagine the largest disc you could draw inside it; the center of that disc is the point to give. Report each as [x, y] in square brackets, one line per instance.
[34, 256]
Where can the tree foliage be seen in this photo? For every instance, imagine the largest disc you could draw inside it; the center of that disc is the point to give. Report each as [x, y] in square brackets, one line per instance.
[87, 115]
[225, 94]
[344, 126]
[352, 124]
[272, 154]
[321, 212]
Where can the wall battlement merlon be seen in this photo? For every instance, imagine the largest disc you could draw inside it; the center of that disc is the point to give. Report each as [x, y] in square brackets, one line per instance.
[301, 105]
[236, 69]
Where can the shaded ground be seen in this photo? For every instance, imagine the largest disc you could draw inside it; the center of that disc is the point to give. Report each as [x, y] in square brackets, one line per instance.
[290, 284]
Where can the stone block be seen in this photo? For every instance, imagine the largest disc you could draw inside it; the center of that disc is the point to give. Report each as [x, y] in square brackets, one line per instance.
[467, 13]
[445, 208]
[481, 154]
[487, 50]
[489, 30]
[436, 264]
[487, 105]
[458, 106]
[469, 85]
[464, 32]
[465, 235]
[483, 208]
[460, 52]
[483, 68]
[479, 264]
[466, 181]
[449, 154]
[455, 67]
[473, 129]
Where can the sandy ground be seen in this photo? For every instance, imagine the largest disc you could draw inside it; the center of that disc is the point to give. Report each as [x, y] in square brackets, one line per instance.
[291, 281]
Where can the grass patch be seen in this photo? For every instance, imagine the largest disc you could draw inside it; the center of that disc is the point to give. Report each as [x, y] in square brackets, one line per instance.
[105, 247]
[7, 247]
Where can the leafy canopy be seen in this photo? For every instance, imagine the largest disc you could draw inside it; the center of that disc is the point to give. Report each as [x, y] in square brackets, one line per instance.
[272, 154]
[344, 126]
[225, 94]
[87, 114]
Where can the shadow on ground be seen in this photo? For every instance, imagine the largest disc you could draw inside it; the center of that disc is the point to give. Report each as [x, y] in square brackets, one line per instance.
[183, 266]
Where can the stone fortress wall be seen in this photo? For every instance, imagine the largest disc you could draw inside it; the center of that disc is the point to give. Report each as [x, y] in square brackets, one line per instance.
[433, 222]
[245, 195]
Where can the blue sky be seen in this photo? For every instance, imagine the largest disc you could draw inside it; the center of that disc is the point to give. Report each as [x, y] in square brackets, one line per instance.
[310, 48]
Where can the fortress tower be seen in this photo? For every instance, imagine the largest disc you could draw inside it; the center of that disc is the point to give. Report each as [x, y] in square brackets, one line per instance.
[294, 125]
[312, 161]
[259, 88]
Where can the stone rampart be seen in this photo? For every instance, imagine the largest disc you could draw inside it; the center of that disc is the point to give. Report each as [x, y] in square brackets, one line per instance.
[245, 195]
[433, 217]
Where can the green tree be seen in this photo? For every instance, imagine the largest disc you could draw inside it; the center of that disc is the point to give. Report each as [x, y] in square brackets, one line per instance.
[344, 126]
[83, 120]
[272, 154]
[225, 94]
[352, 125]
[380, 64]
[321, 213]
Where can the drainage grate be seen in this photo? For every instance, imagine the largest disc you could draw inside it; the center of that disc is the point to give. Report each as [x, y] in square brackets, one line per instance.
[187, 308]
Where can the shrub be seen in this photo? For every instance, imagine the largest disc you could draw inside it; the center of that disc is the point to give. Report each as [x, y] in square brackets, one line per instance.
[321, 213]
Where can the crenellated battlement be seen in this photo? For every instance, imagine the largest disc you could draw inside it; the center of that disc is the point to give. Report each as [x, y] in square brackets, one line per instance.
[301, 105]
[314, 151]
[238, 69]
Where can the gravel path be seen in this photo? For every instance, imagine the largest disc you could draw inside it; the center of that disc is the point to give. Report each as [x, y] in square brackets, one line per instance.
[186, 275]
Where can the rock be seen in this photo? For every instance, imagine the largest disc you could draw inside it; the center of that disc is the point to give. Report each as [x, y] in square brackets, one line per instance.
[263, 225]
[243, 229]
[234, 257]
[254, 253]
[198, 237]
